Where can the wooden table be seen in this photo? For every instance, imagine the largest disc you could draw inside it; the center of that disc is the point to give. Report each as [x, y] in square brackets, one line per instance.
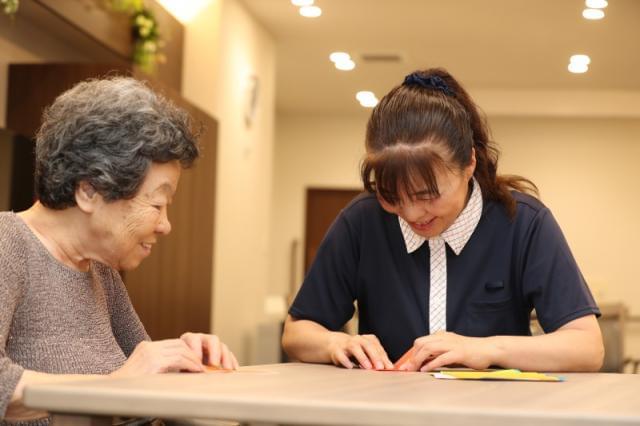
[323, 394]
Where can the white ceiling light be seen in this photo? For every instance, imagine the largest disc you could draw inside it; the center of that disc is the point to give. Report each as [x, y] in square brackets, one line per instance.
[596, 4]
[593, 14]
[310, 11]
[184, 11]
[579, 64]
[339, 57]
[347, 65]
[580, 59]
[301, 3]
[342, 61]
[367, 99]
[577, 68]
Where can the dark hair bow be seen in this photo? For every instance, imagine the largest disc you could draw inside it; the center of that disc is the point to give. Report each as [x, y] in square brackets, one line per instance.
[430, 82]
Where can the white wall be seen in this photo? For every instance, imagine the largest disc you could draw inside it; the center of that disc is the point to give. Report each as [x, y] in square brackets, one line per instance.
[585, 168]
[311, 151]
[587, 173]
[223, 47]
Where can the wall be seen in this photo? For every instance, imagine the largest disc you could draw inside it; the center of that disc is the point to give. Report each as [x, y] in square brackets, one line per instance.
[587, 175]
[223, 48]
[585, 169]
[317, 150]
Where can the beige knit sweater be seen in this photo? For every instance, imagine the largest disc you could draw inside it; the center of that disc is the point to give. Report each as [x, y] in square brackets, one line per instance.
[54, 319]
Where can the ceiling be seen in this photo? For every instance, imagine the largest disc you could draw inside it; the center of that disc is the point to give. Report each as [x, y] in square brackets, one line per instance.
[487, 44]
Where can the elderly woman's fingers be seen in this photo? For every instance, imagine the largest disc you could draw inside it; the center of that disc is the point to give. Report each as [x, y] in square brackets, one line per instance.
[179, 355]
[213, 348]
[234, 361]
[184, 354]
[159, 357]
[194, 342]
[227, 357]
[210, 350]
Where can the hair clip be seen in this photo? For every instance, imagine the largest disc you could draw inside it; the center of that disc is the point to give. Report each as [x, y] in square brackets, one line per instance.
[429, 82]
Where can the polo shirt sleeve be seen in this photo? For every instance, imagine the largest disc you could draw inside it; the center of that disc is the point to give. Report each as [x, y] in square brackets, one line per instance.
[552, 279]
[328, 291]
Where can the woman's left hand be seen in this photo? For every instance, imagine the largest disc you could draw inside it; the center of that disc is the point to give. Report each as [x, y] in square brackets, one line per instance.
[446, 348]
[210, 350]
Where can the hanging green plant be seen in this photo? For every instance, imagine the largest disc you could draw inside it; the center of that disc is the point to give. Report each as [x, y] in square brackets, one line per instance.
[10, 7]
[146, 50]
[147, 43]
[144, 30]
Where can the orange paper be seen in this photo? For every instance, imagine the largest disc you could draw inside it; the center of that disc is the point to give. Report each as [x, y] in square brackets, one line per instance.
[404, 358]
[215, 369]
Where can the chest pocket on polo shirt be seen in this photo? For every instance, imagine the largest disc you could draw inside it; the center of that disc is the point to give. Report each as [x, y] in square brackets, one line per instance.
[491, 311]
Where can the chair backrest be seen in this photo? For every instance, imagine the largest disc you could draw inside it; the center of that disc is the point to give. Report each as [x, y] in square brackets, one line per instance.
[612, 324]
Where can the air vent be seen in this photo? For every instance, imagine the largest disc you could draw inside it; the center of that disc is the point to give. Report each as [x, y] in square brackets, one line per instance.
[381, 57]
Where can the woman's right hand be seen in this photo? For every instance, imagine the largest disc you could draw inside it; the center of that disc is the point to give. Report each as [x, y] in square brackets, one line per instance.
[365, 350]
[161, 356]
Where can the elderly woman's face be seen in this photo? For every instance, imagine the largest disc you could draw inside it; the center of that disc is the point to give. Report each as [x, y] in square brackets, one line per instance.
[127, 229]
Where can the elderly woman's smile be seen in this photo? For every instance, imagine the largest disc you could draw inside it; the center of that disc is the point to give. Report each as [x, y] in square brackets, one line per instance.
[126, 230]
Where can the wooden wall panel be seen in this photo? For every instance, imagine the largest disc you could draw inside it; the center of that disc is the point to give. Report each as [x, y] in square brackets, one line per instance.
[172, 288]
[107, 28]
[105, 36]
[32, 87]
[322, 208]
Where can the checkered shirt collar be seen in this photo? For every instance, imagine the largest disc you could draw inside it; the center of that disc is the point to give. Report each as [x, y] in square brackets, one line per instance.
[458, 233]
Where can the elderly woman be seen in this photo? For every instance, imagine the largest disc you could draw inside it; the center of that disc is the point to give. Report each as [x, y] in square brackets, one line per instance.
[108, 160]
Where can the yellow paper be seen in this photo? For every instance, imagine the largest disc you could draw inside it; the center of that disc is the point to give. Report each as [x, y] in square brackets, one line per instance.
[496, 375]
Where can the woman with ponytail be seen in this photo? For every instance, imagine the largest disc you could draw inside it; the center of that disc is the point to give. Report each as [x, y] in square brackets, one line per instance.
[445, 258]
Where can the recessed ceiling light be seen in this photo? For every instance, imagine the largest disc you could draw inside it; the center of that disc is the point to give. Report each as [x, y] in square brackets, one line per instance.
[579, 64]
[593, 14]
[310, 11]
[367, 98]
[580, 59]
[339, 57]
[342, 61]
[346, 65]
[596, 4]
[301, 3]
[577, 67]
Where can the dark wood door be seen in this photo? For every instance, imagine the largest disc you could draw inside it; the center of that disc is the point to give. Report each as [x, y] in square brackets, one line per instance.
[323, 206]
[171, 289]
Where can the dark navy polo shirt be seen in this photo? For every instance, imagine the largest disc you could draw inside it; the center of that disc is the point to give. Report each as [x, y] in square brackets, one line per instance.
[507, 268]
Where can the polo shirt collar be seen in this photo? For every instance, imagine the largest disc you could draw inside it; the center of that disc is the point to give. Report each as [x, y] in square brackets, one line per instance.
[457, 235]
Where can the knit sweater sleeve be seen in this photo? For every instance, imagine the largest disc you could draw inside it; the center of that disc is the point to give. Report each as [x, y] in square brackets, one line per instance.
[10, 294]
[125, 323]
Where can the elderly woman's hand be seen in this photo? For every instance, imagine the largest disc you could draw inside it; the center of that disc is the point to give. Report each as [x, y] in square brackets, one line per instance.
[210, 350]
[161, 356]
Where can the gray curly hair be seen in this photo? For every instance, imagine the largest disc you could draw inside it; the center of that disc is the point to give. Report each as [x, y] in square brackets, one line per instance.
[108, 132]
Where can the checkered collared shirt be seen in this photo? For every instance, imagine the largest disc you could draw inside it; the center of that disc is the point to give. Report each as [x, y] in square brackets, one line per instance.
[456, 236]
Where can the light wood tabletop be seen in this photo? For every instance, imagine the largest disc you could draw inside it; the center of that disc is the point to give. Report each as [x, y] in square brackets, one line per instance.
[322, 394]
